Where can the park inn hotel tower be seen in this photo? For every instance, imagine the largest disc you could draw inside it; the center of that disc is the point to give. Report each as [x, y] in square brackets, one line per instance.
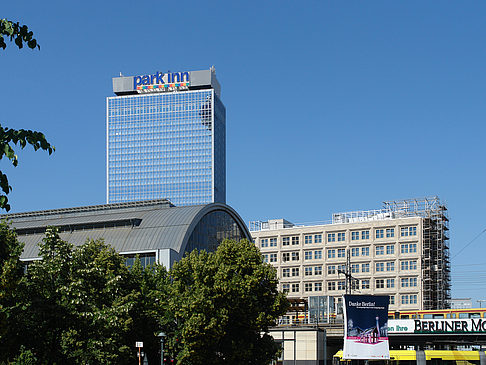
[401, 250]
[166, 138]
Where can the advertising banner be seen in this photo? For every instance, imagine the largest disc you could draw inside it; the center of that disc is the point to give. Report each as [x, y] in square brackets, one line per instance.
[366, 327]
[436, 326]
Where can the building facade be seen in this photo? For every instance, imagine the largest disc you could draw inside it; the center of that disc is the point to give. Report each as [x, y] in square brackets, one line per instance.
[155, 231]
[166, 139]
[401, 251]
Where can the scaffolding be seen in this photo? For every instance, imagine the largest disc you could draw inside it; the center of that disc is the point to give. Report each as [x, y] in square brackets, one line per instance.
[436, 270]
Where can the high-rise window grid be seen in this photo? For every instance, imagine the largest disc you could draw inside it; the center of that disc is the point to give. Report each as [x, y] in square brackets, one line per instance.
[160, 145]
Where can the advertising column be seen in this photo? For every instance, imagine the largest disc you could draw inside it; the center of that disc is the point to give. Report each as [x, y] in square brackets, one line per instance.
[366, 327]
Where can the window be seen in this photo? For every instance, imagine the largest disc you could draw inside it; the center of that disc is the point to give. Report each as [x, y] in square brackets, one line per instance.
[318, 238]
[365, 251]
[413, 282]
[380, 266]
[341, 285]
[273, 257]
[379, 233]
[295, 256]
[390, 266]
[295, 271]
[408, 231]
[390, 283]
[331, 237]
[380, 283]
[365, 284]
[307, 239]
[295, 240]
[307, 286]
[409, 299]
[264, 242]
[408, 265]
[390, 249]
[273, 242]
[355, 251]
[317, 286]
[341, 268]
[331, 254]
[318, 254]
[286, 273]
[285, 256]
[308, 271]
[408, 248]
[285, 241]
[331, 269]
[341, 252]
[405, 282]
[307, 255]
[317, 270]
[379, 250]
[341, 236]
[285, 288]
[354, 268]
[392, 299]
[390, 232]
[354, 236]
[365, 267]
[265, 258]
[295, 288]
[331, 285]
[365, 235]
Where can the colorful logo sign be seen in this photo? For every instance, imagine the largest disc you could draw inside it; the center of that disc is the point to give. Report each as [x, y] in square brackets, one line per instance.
[161, 82]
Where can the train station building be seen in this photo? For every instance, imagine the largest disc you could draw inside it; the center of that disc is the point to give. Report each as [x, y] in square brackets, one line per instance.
[154, 230]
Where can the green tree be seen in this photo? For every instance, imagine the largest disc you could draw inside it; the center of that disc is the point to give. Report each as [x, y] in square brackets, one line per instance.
[11, 276]
[222, 305]
[9, 138]
[86, 307]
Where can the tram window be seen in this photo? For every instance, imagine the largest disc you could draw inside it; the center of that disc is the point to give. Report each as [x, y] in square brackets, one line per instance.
[415, 316]
[404, 316]
[427, 316]
[463, 315]
[474, 315]
[449, 315]
[437, 316]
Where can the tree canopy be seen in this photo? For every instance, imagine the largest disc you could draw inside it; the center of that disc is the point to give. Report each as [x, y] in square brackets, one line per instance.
[9, 138]
[223, 304]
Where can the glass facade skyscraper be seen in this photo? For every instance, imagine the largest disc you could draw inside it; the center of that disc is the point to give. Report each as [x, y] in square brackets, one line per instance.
[166, 139]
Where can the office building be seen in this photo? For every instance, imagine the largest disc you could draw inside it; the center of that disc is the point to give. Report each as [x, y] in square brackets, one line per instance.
[400, 250]
[156, 230]
[166, 139]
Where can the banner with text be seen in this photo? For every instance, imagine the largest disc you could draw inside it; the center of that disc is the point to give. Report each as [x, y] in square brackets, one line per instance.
[366, 327]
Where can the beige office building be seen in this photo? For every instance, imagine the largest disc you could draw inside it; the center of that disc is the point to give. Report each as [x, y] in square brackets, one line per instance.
[400, 250]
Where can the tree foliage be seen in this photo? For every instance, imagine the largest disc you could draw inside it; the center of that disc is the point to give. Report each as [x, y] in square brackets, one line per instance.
[222, 305]
[9, 138]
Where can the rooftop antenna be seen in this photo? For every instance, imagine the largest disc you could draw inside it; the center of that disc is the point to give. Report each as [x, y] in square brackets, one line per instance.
[121, 74]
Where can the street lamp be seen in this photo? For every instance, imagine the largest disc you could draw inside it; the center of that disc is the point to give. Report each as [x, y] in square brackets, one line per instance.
[161, 335]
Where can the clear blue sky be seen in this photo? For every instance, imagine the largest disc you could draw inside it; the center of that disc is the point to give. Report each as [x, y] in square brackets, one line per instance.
[331, 106]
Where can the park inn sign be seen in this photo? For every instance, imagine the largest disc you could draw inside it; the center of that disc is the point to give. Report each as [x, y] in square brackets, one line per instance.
[436, 326]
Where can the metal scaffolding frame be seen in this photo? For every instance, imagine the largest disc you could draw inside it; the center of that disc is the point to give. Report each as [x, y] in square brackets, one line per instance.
[436, 269]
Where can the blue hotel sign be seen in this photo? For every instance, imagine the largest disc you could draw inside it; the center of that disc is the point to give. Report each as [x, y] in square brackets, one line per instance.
[160, 81]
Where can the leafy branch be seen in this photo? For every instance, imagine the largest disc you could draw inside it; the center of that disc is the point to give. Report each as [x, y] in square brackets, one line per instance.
[20, 34]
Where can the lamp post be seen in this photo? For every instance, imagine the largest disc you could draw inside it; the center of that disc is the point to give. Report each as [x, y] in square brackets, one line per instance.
[161, 335]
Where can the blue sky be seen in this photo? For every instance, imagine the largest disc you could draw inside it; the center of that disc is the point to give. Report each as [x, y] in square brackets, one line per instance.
[331, 106]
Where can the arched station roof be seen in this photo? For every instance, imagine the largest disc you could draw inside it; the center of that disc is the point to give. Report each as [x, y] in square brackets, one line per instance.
[134, 227]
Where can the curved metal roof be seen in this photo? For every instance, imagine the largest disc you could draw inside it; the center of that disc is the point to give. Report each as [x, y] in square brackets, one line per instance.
[127, 227]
